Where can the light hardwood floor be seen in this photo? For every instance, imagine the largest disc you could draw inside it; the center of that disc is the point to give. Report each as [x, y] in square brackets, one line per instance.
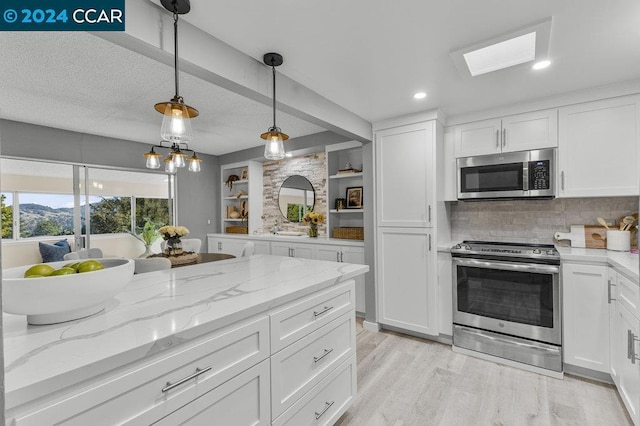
[406, 381]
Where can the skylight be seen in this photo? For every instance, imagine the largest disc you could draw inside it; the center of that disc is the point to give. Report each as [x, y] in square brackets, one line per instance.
[501, 55]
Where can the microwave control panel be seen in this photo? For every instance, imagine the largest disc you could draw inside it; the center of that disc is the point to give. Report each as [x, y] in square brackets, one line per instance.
[539, 175]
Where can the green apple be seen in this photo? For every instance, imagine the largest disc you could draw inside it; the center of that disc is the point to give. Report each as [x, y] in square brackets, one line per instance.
[89, 266]
[41, 269]
[63, 271]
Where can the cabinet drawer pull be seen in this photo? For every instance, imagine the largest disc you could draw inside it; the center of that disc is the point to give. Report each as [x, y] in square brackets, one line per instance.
[609, 298]
[498, 138]
[337, 256]
[318, 358]
[198, 372]
[219, 245]
[324, 311]
[631, 350]
[504, 138]
[327, 405]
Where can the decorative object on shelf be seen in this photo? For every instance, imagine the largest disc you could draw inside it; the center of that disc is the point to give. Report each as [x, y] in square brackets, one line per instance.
[240, 193]
[176, 123]
[244, 175]
[230, 180]
[148, 235]
[341, 203]
[236, 230]
[314, 219]
[348, 233]
[354, 197]
[274, 149]
[244, 209]
[172, 235]
[232, 212]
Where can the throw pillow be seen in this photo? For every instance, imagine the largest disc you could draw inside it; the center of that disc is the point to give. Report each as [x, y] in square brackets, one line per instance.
[54, 252]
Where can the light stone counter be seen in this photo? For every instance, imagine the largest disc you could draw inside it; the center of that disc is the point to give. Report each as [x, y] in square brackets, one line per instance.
[291, 238]
[156, 311]
[625, 262]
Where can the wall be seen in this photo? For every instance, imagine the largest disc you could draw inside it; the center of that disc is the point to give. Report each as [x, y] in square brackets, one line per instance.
[534, 221]
[311, 166]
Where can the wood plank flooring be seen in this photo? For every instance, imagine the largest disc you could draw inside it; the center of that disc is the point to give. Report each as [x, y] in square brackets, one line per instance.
[406, 381]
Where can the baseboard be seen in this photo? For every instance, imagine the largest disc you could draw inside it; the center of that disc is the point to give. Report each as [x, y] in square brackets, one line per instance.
[587, 373]
[371, 326]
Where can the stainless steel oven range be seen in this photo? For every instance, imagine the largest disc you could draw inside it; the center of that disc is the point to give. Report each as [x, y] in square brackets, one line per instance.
[506, 301]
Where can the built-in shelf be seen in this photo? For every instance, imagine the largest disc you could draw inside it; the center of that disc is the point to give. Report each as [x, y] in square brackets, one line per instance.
[346, 211]
[243, 197]
[346, 175]
[235, 220]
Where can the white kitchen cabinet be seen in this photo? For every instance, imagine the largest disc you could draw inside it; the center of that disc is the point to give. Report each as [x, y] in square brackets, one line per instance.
[407, 287]
[346, 254]
[586, 316]
[521, 132]
[285, 248]
[405, 189]
[614, 344]
[598, 148]
[628, 333]
[225, 245]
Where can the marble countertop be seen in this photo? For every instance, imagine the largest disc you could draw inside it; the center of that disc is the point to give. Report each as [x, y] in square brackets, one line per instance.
[625, 262]
[292, 238]
[154, 312]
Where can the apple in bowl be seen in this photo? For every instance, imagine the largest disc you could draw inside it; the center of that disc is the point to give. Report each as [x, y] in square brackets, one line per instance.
[67, 295]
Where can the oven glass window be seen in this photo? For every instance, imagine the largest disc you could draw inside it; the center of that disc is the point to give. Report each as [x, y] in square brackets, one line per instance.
[520, 297]
[503, 177]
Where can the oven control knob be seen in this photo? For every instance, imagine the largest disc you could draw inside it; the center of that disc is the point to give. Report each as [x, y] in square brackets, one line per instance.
[536, 251]
[466, 247]
[551, 252]
[457, 247]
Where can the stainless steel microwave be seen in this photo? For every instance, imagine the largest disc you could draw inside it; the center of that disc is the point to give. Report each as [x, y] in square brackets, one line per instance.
[524, 174]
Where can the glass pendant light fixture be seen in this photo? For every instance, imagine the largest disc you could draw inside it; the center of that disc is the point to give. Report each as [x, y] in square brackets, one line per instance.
[194, 163]
[176, 158]
[176, 122]
[153, 159]
[169, 165]
[274, 148]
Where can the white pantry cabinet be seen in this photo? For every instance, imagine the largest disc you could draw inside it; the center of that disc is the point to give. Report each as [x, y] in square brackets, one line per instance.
[405, 190]
[586, 316]
[598, 148]
[407, 288]
[532, 130]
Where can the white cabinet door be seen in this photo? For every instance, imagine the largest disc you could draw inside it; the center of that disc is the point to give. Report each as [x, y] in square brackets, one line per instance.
[225, 245]
[628, 331]
[304, 251]
[281, 249]
[407, 284]
[533, 130]
[586, 316]
[404, 175]
[614, 345]
[478, 138]
[598, 148]
[356, 255]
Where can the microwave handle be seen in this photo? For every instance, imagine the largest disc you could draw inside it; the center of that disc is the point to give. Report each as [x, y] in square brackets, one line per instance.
[525, 176]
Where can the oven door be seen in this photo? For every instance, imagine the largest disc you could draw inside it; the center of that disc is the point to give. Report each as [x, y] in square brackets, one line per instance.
[518, 299]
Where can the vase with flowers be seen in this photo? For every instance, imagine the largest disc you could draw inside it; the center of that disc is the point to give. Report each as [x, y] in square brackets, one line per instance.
[172, 235]
[314, 219]
[148, 235]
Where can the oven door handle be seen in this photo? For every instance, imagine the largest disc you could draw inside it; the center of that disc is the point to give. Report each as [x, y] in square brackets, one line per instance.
[529, 346]
[507, 266]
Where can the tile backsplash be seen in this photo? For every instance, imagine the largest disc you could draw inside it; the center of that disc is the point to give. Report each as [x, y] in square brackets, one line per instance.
[534, 221]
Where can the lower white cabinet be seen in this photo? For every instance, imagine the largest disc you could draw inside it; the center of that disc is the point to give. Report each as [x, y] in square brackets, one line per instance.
[407, 279]
[284, 248]
[586, 316]
[628, 333]
[346, 254]
[225, 245]
[614, 338]
[243, 400]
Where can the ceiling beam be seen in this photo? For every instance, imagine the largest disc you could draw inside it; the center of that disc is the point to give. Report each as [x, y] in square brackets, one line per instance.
[149, 33]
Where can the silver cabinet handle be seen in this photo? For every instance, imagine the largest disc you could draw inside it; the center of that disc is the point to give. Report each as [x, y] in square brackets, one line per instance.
[504, 138]
[325, 353]
[293, 252]
[327, 405]
[324, 311]
[609, 299]
[429, 242]
[198, 372]
[562, 180]
[341, 257]
[497, 138]
[631, 350]
[429, 213]
[219, 245]
[337, 256]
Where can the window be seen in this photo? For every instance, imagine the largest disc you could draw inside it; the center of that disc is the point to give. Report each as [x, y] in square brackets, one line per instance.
[45, 214]
[7, 214]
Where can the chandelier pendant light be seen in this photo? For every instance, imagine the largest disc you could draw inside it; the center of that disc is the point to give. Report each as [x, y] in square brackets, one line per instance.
[274, 148]
[176, 122]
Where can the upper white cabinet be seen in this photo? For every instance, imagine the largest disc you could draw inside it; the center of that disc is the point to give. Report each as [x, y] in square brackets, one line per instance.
[405, 192]
[533, 130]
[598, 148]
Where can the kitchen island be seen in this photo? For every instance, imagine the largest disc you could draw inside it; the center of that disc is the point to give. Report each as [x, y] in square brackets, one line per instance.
[228, 338]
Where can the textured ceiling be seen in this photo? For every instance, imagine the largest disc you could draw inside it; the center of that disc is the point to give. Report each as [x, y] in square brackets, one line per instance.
[76, 81]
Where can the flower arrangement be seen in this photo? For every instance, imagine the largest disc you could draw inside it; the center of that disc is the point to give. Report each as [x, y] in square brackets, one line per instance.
[172, 235]
[148, 235]
[314, 219]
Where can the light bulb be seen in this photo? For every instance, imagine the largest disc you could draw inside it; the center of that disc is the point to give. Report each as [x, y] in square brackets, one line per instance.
[178, 158]
[274, 148]
[194, 163]
[176, 125]
[153, 159]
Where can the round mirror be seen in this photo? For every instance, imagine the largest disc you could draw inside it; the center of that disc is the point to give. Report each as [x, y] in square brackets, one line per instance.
[296, 198]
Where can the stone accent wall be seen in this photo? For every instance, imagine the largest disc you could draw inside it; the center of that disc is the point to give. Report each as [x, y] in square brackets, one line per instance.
[311, 166]
[534, 221]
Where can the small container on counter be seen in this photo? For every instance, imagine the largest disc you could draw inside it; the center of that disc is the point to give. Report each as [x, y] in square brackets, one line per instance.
[618, 240]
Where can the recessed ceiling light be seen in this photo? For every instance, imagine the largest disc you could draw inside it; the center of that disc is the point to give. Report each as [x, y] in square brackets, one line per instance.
[541, 65]
[420, 95]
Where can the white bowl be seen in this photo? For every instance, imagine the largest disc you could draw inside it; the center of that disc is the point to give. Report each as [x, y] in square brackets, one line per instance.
[50, 300]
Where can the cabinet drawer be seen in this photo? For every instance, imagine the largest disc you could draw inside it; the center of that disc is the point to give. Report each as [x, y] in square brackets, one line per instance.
[326, 402]
[243, 400]
[299, 367]
[135, 396]
[300, 318]
[629, 294]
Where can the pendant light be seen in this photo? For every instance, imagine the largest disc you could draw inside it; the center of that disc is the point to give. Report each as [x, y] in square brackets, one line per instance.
[176, 123]
[176, 158]
[274, 149]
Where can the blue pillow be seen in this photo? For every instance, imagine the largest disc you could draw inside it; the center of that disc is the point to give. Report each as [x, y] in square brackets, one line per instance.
[54, 252]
